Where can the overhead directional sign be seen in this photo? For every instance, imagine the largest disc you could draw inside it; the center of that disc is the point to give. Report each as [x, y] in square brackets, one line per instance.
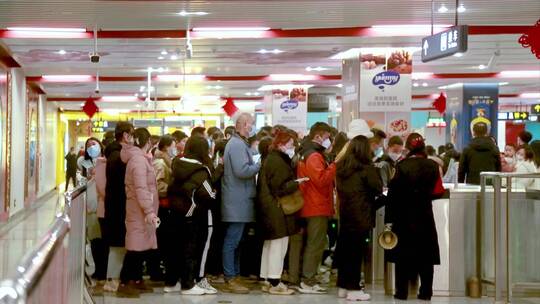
[513, 116]
[444, 44]
[535, 109]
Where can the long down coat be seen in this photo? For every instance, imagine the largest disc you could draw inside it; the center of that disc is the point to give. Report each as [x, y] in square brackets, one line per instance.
[409, 209]
[141, 199]
[276, 179]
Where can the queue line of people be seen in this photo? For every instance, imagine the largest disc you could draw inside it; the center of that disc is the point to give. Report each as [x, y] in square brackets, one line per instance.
[180, 206]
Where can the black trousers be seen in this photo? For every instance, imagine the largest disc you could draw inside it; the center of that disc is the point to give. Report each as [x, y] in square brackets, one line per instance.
[350, 249]
[72, 177]
[409, 272]
[132, 268]
[100, 254]
[195, 233]
[172, 248]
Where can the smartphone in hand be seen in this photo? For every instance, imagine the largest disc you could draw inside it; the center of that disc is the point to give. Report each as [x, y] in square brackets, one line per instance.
[302, 180]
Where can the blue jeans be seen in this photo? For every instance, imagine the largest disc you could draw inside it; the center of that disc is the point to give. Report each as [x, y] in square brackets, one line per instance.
[231, 257]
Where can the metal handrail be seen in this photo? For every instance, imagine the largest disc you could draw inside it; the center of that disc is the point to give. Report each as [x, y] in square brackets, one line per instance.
[29, 271]
[501, 237]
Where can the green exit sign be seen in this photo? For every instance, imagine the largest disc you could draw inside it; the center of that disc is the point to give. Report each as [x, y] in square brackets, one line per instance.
[535, 109]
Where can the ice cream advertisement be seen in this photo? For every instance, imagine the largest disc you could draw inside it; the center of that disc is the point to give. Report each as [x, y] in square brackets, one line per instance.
[289, 108]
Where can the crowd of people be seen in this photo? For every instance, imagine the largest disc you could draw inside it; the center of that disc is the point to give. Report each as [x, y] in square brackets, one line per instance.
[213, 208]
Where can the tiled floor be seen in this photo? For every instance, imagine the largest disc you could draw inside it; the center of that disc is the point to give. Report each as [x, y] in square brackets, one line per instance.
[257, 297]
[19, 239]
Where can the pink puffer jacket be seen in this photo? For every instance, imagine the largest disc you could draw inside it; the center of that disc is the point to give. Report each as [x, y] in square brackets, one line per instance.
[141, 199]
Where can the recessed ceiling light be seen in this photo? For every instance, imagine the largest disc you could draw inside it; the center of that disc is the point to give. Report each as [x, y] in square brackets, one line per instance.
[443, 9]
[503, 83]
[161, 58]
[318, 69]
[461, 8]
[82, 104]
[424, 84]
[62, 52]
[458, 55]
[144, 94]
[340, 85]
[416, 84]
[136, 94]
[274, 51]
[138, 106]
[174, 57]
[482, 67]
[248, 94]
[164, 52]
[256, 93]
[184, 13]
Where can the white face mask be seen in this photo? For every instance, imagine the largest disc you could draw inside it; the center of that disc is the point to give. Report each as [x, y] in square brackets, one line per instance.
[172, 151]
[326, 143]
[509, 160]
[379, 152]
[94, 151]
[290, 152]
[520, 157]
[394, 156]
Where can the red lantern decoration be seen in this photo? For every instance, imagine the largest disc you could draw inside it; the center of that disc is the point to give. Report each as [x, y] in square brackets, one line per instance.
[440, 103]
[230, 108]
[532, 39]
[90, 108]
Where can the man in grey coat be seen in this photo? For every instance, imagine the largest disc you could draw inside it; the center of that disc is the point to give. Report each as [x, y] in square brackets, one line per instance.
[238, 195]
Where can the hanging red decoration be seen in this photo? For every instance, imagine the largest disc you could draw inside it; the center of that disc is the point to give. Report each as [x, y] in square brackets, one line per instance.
[230, 108]
[440, 103]
[90, 108]
[531, 39]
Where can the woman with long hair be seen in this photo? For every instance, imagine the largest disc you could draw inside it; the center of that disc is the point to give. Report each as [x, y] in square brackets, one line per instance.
[92, 151]
[191, 195]
[277, 179]
[358, 185]
[142, 203]
[409, 213]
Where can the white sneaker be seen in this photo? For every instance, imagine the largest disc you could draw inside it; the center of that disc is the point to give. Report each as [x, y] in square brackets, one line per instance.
[342, 293]
[265, 286]
[195, 291]
[208, 289]
[280, 289]
[111, 285]
[175, 288]
[315, 289]
[357, 295]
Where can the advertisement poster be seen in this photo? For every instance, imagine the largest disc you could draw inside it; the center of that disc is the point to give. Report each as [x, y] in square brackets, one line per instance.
[4, 204]
[386, 82]
[289, 108]
[374, 119]
[31, 185]
[482, 102]
[454, 117]
[398, 124]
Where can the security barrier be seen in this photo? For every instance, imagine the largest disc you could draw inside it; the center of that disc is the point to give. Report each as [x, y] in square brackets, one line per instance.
[53, 271]
[508, 238]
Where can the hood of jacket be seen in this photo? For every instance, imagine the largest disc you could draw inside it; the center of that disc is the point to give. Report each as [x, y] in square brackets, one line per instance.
[128, 152]
[164, 156]
[310, 147]
[186, 167]
[112, 147]
[483, 144]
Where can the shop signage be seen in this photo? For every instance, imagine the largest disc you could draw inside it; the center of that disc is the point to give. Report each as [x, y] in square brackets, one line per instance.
[444, 44]
[535, 109]
[290, 108]
[513, 115]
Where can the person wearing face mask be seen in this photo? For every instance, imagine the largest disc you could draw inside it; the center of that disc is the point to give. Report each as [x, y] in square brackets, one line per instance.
[508, 158]
[180, 138]
[389, 160]
[114, 228]
[142, 203]
[376, 142]
[87, 162]
[524, 164]
[238, 195]
[276, 179]
[318, 195]
[166, 151]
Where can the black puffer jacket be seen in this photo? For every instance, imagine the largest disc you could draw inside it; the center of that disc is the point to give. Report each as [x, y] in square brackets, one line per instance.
[357, 193]
[480, 156]
[276, 179]
[115, 197]
[191, 192]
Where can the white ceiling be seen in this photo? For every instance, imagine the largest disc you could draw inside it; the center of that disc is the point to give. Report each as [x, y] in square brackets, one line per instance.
[239, 57]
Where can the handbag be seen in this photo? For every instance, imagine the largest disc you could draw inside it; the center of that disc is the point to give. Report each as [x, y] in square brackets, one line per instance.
[291, 203]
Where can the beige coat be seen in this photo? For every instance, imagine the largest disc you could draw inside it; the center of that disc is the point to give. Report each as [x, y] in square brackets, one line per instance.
[141, 199]
[162, 167]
